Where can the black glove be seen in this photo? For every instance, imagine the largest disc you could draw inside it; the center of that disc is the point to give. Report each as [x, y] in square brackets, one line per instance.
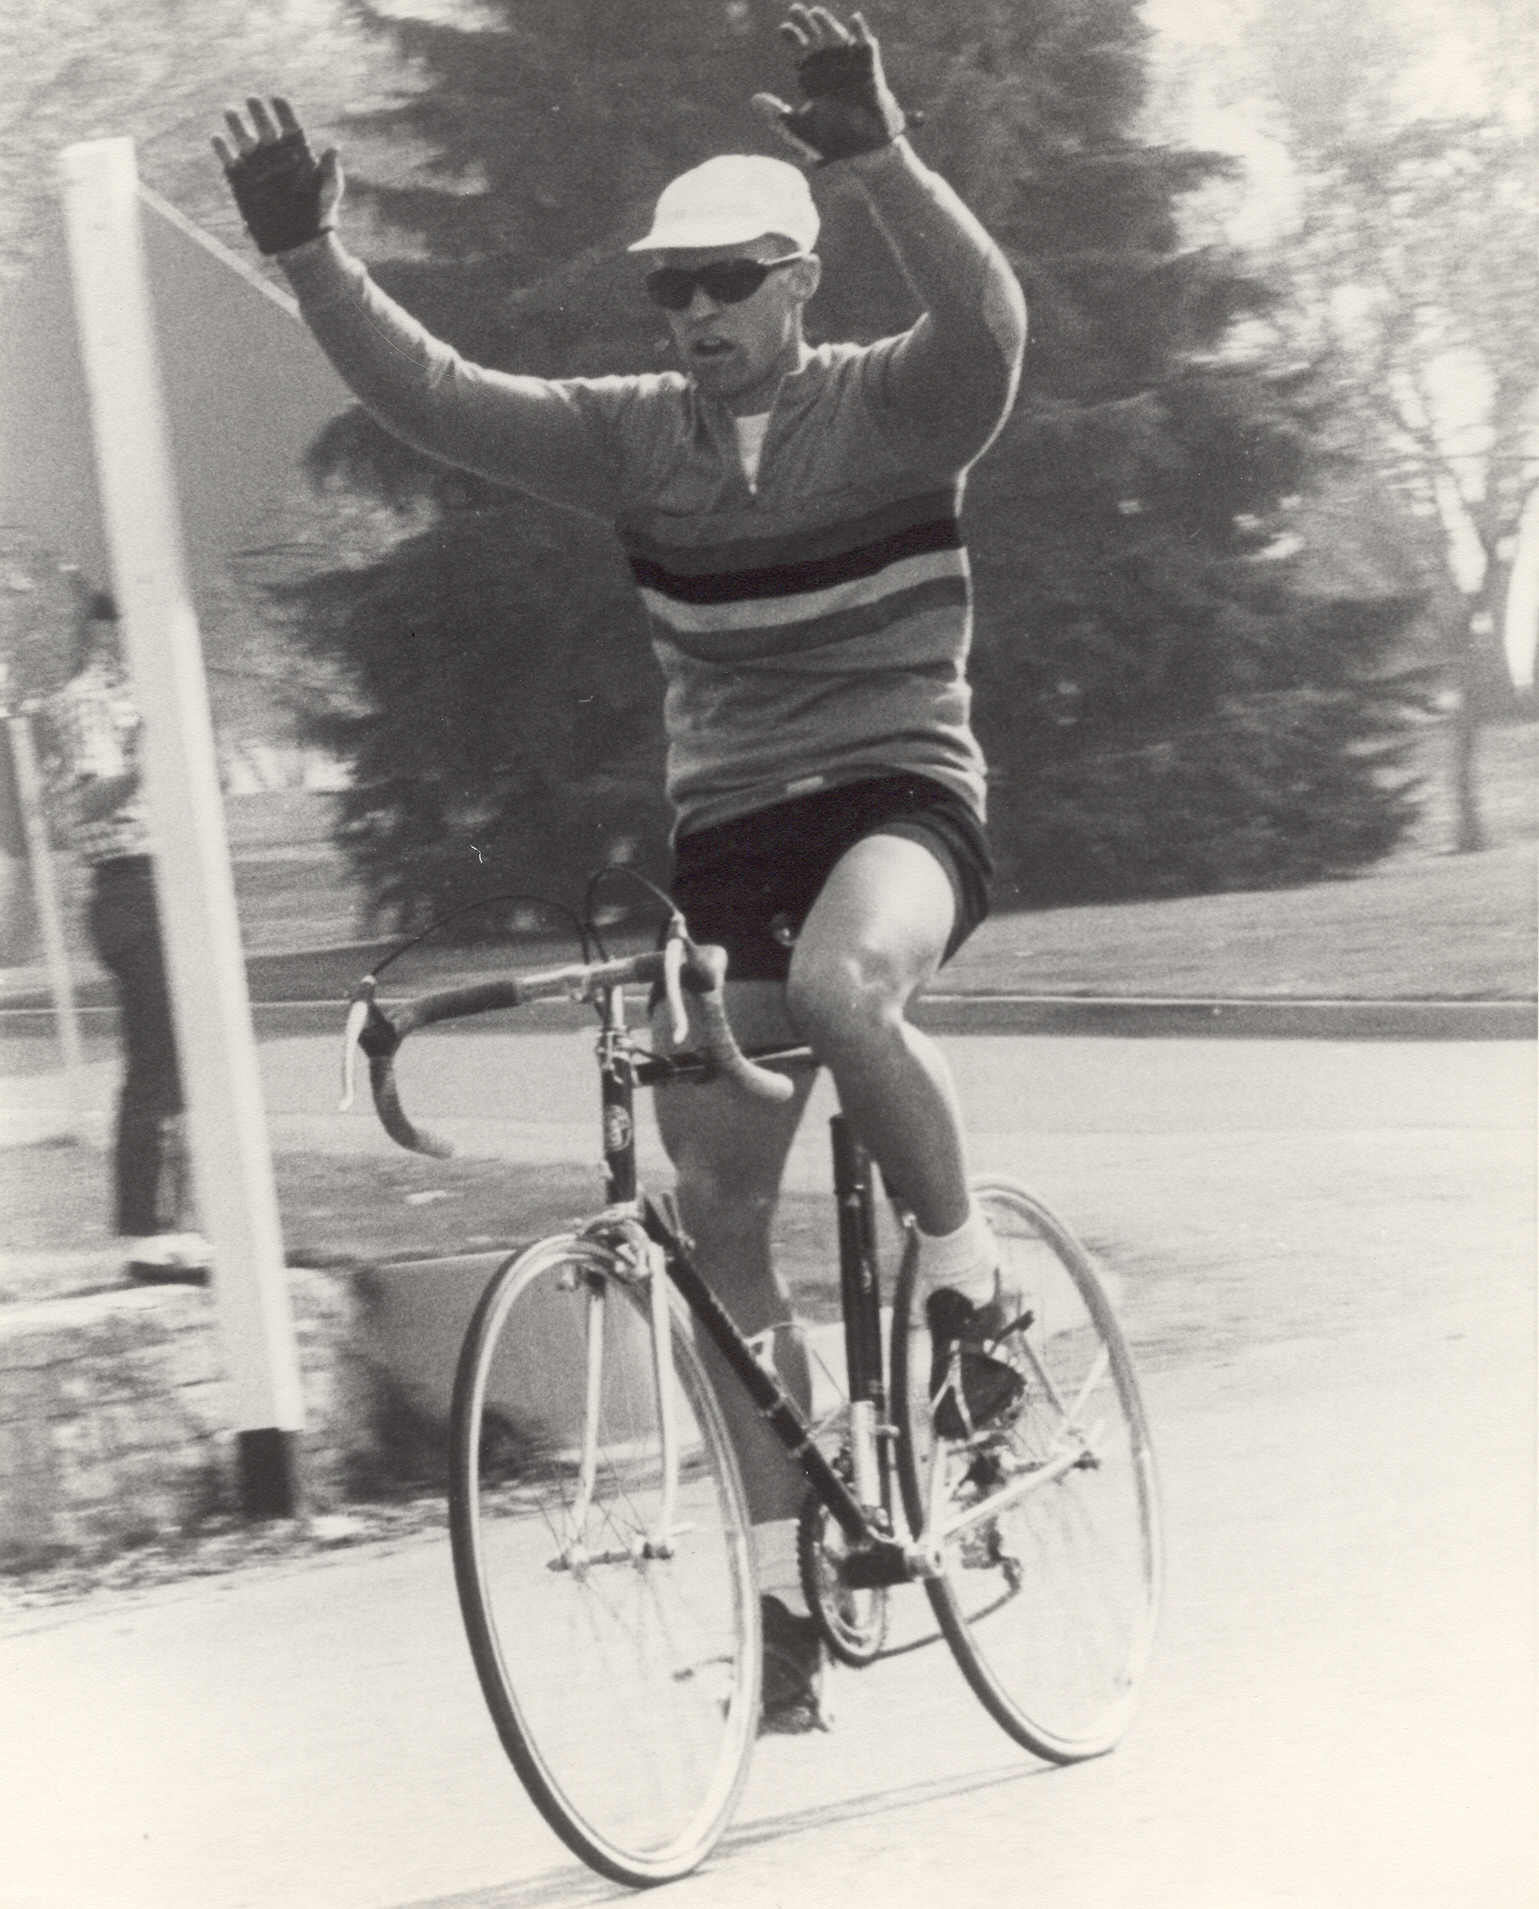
[277, 186]
[850, 108]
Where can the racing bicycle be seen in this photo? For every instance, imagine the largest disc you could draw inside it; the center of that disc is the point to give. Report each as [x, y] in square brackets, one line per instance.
[600, 1533]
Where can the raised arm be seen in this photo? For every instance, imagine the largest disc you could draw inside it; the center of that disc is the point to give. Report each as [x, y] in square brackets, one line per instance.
[524, 432]
[957, 370]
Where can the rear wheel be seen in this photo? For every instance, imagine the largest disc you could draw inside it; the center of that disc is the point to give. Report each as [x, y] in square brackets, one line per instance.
[619, 1655]
[1048, 1603]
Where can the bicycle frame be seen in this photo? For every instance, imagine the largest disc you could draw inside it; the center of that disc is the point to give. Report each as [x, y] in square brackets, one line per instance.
[863, 1514]
[647, 1234]
[652, 1640]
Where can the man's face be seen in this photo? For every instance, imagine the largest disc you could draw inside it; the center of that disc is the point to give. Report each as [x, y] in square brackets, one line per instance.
[740, 352]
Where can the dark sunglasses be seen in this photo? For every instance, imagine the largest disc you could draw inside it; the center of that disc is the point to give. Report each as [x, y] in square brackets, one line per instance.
[724, 282]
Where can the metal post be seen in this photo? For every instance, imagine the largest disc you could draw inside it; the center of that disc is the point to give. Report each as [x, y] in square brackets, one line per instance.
[227, 1127]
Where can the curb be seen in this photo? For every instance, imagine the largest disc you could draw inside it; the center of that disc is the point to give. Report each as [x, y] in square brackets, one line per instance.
[1270, 1019]
[116, 1408]
[1122, 1018]
[115, 1414]
[1112, 1016]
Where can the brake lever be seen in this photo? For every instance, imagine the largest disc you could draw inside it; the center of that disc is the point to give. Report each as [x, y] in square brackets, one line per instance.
[364, 1018]
[674, 947]
[357, 1014]
[707, 969]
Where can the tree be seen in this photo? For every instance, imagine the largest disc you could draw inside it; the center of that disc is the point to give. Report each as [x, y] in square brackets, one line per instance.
[158, 72]
[1185, 711]
[1139, 631]
[1414, 261]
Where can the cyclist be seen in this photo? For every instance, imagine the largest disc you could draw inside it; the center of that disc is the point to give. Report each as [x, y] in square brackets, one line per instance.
[789, 512]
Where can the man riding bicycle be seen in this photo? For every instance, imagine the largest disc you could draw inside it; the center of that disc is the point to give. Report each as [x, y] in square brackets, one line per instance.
[789, 512]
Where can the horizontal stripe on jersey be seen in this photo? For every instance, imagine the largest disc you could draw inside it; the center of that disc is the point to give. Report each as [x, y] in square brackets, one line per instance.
[750, 631]
[788, 566]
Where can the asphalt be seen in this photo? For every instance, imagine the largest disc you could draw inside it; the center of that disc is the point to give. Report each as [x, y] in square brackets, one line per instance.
[1328, 1260]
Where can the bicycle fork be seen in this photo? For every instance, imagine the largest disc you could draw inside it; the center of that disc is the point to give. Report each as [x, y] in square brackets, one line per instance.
[620, 1229]
[648, 1263]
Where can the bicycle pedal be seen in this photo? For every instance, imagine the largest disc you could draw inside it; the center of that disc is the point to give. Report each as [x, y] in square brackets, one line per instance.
[990, 1389]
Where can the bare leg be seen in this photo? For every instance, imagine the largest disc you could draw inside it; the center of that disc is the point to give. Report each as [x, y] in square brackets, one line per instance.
[874, 938]
[729, 1153]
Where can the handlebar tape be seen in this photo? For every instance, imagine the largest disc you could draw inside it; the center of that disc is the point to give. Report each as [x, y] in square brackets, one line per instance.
[703, 973]
[393, 1117]
[705, 969]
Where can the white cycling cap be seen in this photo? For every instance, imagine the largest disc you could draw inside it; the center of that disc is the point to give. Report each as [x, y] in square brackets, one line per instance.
[730, 200]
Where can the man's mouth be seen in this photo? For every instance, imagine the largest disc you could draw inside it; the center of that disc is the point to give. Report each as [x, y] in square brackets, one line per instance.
[709, 348]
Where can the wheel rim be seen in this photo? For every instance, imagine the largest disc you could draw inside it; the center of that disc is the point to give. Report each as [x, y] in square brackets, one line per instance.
[1050, 1607]
[624, 1684]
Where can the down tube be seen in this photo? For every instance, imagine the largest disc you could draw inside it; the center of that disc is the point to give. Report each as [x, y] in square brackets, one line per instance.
[777, 1406]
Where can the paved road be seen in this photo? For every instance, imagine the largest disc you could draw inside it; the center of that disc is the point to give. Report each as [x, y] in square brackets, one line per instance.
[1328, 1260]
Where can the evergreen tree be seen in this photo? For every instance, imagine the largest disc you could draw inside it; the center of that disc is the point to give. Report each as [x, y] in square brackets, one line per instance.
[1163, 708]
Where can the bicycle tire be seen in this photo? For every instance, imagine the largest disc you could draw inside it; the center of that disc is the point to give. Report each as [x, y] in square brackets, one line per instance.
[624, 1686]
[1049, 1607]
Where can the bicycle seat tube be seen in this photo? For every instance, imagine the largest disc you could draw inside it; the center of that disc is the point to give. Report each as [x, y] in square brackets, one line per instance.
[861, 1301]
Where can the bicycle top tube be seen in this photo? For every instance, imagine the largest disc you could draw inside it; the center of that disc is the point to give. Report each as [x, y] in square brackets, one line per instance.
[694, 1065]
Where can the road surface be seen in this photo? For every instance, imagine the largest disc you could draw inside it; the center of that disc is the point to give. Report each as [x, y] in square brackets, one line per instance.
[1327, 1260]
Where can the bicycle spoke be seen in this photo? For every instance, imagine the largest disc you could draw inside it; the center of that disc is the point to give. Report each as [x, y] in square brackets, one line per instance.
[623, 1682]
[1048, 1519]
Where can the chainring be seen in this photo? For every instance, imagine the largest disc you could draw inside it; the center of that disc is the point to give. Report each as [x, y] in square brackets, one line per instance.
[852, 1623]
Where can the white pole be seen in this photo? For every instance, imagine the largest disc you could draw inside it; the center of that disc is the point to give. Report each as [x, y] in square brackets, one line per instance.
[50, 916]
[227, 1125]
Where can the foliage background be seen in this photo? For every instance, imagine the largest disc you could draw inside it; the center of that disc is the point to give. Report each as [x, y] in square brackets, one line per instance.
[1207, 627]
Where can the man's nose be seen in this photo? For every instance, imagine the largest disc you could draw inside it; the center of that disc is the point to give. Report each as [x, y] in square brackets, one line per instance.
[702, 305]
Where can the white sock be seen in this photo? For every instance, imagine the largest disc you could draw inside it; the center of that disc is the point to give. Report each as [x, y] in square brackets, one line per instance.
[967, 1259]
[775, 1565]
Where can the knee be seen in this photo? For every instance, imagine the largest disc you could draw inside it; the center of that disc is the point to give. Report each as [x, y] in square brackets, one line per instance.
[846, 995]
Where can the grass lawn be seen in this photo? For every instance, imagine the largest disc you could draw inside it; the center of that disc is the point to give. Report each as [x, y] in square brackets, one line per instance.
[1423, 924]
[1447, 927]
[345, 1213]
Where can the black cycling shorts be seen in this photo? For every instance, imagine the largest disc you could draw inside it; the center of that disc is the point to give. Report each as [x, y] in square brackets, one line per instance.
[750, 883]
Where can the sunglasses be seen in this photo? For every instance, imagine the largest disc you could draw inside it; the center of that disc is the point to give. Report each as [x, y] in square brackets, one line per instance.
[724, 282]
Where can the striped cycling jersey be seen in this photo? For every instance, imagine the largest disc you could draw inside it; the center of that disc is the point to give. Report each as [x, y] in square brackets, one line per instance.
[814, 631]
[811, 628]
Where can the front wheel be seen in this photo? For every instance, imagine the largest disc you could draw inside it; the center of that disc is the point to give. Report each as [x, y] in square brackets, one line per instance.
[608, 1597]
[1049, 1602]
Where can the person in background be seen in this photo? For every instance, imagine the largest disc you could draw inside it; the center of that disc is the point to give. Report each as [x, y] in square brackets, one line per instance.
[96, 730]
